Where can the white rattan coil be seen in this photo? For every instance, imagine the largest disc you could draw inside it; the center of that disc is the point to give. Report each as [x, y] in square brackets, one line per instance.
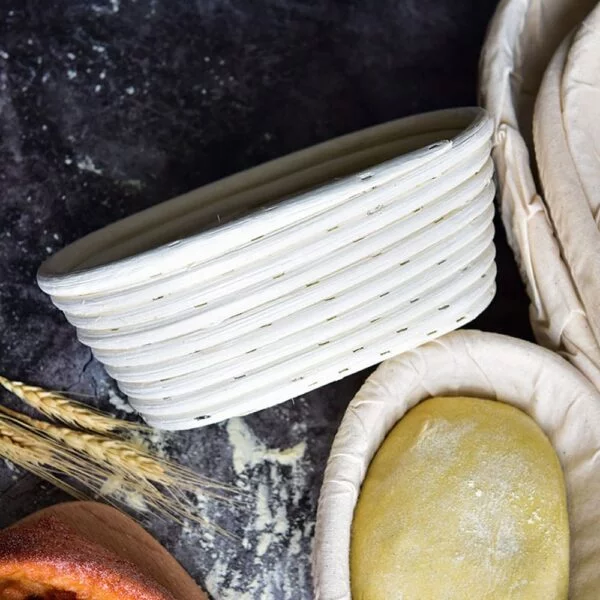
[328, 276]
[345, 270]
[212, 346]
[271, 395]
[404, 328]
[377, 215]
[359, 325]
[85, 267]
[236, 330]
[343, 224]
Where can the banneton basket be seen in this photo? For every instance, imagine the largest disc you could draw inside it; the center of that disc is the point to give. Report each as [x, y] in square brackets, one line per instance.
[522, 38]
[467, 363]
[567, 143]
[270, 283]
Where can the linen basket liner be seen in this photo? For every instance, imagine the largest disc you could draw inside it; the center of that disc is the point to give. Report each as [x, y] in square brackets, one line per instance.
[567, 145]
[562, 401]
[521, 40]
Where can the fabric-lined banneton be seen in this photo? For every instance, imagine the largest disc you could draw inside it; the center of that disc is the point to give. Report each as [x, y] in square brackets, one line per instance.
[522, 38]
[552, 392]
[567, 148]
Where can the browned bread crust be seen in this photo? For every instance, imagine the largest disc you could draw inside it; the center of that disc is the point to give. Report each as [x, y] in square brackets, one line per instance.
[49, 559]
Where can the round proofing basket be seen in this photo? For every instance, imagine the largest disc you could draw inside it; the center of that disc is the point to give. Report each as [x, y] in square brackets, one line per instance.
[523, 36]
[293, 274]
[467, 363]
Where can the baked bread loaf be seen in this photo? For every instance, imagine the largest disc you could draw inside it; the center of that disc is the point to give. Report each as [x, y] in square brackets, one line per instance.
[88, 551]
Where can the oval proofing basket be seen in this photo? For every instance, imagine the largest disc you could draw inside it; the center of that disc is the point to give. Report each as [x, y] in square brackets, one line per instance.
[467, 363]
[270, 283]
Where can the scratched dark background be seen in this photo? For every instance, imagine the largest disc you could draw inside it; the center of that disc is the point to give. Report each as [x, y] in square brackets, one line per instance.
[111, 106]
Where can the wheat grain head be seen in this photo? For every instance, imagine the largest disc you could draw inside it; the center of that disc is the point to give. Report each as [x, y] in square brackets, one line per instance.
[127, 459]
[44, 458]
[72, 413]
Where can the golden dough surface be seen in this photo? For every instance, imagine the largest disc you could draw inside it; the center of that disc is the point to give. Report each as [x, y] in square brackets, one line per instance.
[464, 499]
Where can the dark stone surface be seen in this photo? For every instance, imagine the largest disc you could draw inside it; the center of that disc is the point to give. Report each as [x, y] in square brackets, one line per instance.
[110, 106]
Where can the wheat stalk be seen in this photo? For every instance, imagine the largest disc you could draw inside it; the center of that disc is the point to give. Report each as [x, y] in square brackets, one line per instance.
[122, 456]
[130, 476]
[45, 458]
[58, 407]
[115, 469]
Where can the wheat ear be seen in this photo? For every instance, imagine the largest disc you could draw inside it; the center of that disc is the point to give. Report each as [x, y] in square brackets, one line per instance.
[136, 479]
[46, 459]
[43, 457]
[73, 413]
[124, 458]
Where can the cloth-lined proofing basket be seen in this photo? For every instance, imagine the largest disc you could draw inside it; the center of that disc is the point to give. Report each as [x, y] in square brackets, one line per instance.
[567, 146]
[467, 363]
[357, 255]
[522, 38]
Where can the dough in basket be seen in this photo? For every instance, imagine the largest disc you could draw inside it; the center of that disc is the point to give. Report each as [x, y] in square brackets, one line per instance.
[464, 499]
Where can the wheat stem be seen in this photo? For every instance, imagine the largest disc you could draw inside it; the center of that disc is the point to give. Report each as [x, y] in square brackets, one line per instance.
[115, 469]
[128, 461]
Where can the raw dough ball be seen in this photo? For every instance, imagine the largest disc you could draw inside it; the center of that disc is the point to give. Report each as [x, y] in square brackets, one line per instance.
[464, 499]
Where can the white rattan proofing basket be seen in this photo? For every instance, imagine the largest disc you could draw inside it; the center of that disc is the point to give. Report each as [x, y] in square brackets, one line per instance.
[467, 363]
[283, 278]
[553, 231]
